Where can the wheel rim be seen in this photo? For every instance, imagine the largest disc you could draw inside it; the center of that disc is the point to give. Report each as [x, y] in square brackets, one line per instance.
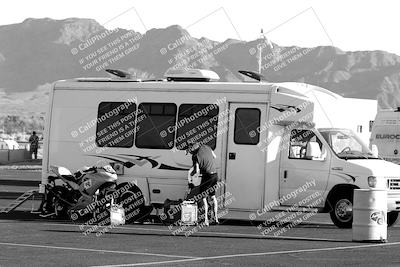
[344, 210]
[58, 207]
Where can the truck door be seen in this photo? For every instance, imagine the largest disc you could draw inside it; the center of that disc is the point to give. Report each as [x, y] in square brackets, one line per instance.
[302, 175]
[245, 162]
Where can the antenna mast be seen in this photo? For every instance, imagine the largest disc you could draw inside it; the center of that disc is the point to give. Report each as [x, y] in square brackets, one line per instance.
[260, 48]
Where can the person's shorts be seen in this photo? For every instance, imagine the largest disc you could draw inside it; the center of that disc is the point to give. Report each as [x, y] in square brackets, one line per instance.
[208, 181]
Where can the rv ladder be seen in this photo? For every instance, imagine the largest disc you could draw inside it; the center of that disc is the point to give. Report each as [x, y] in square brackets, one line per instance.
[21, 199]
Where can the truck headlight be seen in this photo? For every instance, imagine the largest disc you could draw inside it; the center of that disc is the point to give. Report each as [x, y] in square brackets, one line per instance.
[372, 181]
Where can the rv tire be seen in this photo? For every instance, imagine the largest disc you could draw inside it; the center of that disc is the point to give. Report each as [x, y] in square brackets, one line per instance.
[132, 201]
[342, 208]
[392, 218]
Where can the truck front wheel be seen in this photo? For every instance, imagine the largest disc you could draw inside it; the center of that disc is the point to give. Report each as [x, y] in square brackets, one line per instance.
[392, 217]
[342, 209]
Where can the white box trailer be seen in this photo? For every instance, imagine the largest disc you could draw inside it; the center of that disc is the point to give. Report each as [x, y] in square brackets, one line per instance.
[386, 134]
[278, 145]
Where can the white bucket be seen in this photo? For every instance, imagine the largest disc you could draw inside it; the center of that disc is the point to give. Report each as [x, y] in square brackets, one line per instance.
[117, 214]
[189, 213]
[370, 215]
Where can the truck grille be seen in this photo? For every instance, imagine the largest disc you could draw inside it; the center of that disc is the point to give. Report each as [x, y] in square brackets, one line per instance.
[393, 184]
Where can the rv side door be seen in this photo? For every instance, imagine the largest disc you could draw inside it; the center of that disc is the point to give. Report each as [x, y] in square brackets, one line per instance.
[245, 161]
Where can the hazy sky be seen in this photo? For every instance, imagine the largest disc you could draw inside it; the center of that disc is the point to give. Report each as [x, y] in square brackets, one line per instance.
[349, 25]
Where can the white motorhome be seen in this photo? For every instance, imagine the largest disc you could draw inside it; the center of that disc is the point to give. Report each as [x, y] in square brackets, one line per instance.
[276, 143]
[386, 134]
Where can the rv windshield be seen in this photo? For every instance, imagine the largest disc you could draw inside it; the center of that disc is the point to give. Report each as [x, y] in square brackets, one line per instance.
[346, 144]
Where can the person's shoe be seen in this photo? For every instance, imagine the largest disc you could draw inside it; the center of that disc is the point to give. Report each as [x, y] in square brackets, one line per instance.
[206, 223]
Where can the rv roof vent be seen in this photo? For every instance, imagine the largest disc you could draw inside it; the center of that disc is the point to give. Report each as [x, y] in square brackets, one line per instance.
[253, 75]
[119, 73]
[192, 75]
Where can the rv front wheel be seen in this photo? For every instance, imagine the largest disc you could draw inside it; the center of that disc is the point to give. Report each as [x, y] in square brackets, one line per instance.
[342, 209]
[392, 217]
[60, 207]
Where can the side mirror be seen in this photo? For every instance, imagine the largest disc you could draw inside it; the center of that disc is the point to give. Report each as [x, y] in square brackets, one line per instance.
[375, 151]
[314, 152]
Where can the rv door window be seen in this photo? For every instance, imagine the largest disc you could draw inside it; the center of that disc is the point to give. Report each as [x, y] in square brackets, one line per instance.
[156, 128]
[299, 143]
[247, 120]
[197, 122]
[115, 124]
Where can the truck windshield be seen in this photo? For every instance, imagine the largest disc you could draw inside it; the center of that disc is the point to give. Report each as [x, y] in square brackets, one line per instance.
[346, 144]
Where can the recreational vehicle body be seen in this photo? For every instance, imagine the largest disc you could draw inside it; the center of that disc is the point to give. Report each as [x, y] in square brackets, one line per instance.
[278, 145]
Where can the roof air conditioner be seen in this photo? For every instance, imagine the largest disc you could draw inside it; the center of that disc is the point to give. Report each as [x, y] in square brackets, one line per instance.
[192, 75]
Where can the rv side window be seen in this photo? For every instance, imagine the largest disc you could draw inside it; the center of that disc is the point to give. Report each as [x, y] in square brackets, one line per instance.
[115, 124]
[197, 122]
[299, 140]
[247, 120]
[156, 125]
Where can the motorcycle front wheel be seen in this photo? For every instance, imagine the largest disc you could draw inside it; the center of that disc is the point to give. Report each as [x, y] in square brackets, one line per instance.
[55, 202]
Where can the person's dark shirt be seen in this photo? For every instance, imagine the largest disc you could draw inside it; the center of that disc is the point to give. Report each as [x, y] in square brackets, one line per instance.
[34, 141]
[204, 156]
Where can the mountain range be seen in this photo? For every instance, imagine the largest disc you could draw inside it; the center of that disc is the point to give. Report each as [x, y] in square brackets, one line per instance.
[37, 52]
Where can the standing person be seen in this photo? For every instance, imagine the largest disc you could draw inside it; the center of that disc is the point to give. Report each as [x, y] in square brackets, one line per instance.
[34, 144]
[204, 158]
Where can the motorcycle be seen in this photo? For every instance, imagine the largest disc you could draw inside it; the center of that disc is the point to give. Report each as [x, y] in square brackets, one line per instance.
[84, 195]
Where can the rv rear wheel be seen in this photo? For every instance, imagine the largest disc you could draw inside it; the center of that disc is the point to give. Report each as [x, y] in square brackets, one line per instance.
[342, 209]
[392, 218]
[132, 200]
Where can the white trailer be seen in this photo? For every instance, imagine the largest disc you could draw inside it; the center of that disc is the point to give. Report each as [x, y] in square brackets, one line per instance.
[276, 143]
[386, 134]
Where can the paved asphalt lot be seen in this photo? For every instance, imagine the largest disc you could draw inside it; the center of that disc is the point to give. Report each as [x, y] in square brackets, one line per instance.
[28, 240]
[20, 175]
[51, 243]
